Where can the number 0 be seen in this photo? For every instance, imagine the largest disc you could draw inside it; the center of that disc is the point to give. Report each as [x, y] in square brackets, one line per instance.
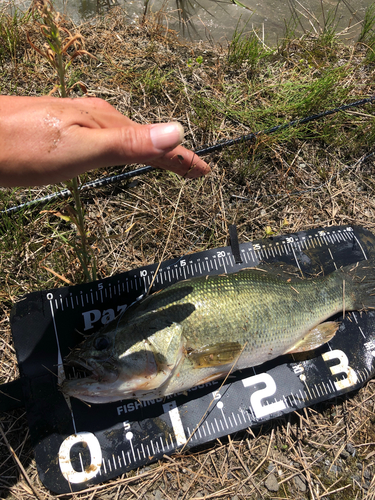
[65, 463]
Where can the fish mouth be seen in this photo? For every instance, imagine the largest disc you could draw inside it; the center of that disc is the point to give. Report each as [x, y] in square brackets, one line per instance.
[80, 369]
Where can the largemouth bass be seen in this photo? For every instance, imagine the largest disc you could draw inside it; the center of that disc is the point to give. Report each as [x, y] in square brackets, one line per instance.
[196, 330]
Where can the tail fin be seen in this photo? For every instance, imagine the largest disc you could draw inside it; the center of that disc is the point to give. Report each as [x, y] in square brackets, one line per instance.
[359, 284]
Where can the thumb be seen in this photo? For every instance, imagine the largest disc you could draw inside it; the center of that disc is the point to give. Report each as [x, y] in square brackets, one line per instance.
[134, 143]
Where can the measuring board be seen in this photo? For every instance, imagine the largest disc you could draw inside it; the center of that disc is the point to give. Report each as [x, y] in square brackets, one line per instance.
[88, 444]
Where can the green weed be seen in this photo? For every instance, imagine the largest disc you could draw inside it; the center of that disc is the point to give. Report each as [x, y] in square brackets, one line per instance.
[367, 34]
[11, 27]
[246, 49]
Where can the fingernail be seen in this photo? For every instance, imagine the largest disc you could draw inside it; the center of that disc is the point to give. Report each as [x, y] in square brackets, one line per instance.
[166, 135]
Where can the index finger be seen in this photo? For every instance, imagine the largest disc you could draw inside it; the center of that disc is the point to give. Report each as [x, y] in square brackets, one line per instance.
[182, 162]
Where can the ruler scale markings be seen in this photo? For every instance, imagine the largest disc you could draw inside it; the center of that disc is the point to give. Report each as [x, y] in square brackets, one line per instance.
[216, 425]
[81, 461]
[234, 418]
[309, 392]
[295, 258]
[123, 457]
[312, 390]
[171, 440]
[246, 413]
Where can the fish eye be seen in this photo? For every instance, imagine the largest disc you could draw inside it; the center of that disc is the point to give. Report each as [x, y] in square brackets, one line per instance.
[101, 343]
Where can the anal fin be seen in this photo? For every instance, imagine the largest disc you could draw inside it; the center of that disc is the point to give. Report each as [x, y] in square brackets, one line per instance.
[314, 338]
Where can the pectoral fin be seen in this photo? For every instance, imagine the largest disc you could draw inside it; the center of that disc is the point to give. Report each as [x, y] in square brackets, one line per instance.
[315, 337]
[215, 354]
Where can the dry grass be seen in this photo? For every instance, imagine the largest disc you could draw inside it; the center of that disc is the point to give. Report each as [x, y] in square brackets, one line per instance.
[304, 178]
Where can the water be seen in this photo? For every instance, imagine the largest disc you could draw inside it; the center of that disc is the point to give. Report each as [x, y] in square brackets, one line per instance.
[217, 20]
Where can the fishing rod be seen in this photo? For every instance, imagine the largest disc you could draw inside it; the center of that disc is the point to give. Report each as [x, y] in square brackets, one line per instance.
[115, 179]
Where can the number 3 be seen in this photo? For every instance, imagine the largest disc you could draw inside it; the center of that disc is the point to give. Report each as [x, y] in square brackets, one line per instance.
[342, 367]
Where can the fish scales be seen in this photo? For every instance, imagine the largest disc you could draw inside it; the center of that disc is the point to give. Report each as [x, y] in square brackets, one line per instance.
[196, 330]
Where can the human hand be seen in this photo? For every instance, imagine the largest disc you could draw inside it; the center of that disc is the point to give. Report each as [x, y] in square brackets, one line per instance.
[44, 140]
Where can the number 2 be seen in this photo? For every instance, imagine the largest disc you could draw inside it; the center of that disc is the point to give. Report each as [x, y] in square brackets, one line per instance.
[257, 397]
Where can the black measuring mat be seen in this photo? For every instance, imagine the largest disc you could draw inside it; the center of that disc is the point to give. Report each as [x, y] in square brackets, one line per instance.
[77, 445]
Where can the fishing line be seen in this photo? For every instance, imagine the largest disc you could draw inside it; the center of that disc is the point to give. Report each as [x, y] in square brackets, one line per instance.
[166, 244]
[114, 179]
